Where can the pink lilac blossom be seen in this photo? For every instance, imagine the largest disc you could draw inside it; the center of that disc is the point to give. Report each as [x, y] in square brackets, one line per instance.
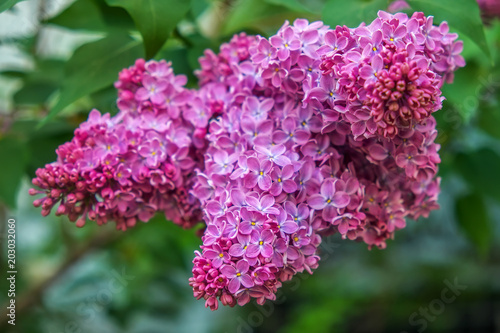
[329, 131]
[128, 167]
[311, 132]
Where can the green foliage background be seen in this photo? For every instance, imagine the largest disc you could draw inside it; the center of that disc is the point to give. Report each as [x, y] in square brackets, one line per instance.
[67, 279]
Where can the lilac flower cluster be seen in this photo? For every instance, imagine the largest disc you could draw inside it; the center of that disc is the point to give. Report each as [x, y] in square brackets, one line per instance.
[393, 68]
[326, 131]
[126, 168]
[311, 132]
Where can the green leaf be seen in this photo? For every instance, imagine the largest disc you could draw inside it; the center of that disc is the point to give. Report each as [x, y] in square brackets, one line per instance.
[104, 100]
[48, 69]
[95, 66]
[180, 61]
[115, 17]
[14, 158]
[464, 94]
[198, 7]
[254, 14]
[41, 83]
[41, 143]
[463, 15]
[84, 15]
[13, 73]
[489, 120]
[34, 93]
[92, 15]
[296, 5]
[185, 58]
[352, 13]
[473, 219]
[480, 169]
[155, 19]
[489, 111]
[7, 4]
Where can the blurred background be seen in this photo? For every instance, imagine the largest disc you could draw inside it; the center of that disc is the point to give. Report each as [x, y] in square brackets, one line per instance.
[58, 60]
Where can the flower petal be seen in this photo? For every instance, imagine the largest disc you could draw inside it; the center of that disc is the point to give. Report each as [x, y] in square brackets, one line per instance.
[341, 199]
[316, 201]
[234, 285]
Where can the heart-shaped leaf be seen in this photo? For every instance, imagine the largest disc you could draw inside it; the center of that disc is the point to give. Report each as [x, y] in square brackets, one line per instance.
[352, 13]
[94, 66]
[155, 19]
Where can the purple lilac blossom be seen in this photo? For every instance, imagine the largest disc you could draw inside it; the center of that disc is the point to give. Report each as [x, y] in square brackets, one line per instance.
[351, 125]
[312, 132]
[128, 167]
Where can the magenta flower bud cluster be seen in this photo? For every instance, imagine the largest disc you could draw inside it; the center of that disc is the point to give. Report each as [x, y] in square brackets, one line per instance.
[393, 68]
[126, 168]
[325, 131]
